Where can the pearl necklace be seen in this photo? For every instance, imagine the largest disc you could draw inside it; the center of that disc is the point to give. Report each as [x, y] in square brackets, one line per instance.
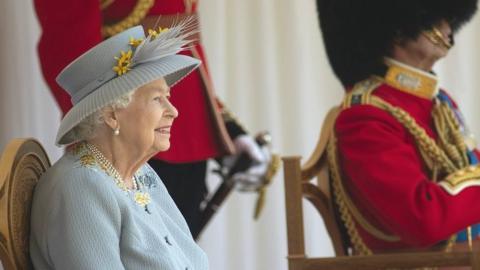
[141, 198]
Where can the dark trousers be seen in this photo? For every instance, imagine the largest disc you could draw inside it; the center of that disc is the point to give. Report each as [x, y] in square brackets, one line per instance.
[186, 184]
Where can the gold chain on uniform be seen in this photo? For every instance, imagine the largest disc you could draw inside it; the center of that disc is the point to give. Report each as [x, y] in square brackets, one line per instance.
[139, 12]
[450, 159]
[449, 154]
[134, 18]
[358, 245]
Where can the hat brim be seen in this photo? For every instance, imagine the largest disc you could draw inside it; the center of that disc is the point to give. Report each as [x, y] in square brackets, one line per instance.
[172, 68]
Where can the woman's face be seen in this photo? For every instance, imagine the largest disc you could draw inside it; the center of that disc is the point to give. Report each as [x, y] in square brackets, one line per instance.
[145, 123]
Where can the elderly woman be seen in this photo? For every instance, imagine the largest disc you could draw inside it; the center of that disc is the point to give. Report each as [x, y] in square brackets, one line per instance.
[101, 206]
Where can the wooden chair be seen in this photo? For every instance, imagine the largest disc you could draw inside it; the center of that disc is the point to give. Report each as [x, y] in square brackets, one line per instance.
[299, 185]
[22, 163]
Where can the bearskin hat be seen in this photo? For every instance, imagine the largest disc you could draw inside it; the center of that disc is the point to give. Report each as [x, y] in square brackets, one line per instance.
[358, 33]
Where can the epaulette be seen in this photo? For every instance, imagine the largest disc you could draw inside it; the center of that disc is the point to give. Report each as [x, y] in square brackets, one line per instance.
[361, 92]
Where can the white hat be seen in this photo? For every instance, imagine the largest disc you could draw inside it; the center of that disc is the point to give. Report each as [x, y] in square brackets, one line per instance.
[119, 65]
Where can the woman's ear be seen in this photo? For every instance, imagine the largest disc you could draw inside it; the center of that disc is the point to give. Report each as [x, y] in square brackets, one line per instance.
[110, 117]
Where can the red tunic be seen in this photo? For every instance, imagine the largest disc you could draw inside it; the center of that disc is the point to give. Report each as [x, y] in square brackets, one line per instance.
[388, 181]
[72, 27]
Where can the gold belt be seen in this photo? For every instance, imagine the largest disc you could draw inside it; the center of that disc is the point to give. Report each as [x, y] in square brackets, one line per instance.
[139, 16]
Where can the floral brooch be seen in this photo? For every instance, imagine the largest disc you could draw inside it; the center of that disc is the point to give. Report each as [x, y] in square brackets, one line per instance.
[124, 61]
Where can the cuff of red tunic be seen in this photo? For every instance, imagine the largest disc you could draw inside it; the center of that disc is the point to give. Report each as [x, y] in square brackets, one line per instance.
[461, 179]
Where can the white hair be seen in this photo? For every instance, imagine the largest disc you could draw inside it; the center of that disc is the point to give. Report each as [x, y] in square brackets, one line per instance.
[88, 127]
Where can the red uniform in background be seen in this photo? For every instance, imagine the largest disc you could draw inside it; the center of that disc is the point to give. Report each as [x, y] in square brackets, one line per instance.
[69, 28]
[388, 179]
[404, 168]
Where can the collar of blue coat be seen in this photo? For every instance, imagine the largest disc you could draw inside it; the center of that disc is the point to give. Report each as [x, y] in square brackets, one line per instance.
[411, 80]
[145, 175]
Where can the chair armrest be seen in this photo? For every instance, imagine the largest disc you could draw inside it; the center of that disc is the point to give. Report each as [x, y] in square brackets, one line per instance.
[388, 261]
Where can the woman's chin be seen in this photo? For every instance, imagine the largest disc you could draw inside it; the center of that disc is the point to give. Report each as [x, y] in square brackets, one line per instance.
[162, 146]
[161, 141]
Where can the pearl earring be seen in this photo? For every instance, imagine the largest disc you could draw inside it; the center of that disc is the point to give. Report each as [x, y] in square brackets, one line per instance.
[116, 131]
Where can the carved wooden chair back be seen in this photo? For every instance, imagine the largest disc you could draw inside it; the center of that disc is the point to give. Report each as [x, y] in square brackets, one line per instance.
[22, 163]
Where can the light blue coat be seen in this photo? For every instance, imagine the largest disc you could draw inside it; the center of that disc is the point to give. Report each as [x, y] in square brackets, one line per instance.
[82, 220]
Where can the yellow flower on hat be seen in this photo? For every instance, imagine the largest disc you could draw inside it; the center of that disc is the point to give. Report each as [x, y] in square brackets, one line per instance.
[135, 42]
[155, 33]
[161, 30]
[152, 33]
[123, 62]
